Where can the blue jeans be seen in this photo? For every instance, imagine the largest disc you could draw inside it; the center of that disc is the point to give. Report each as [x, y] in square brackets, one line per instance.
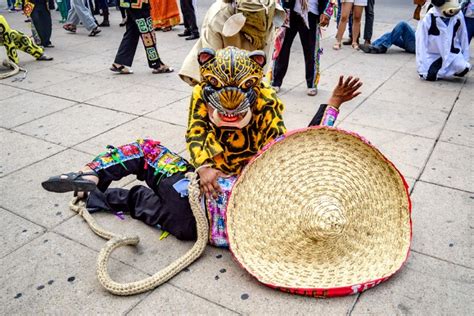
[11, 4]
[402, 36]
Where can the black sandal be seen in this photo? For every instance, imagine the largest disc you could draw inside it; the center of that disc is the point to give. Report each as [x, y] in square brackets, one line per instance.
[121, 69]
[95, 31]
[73, 182]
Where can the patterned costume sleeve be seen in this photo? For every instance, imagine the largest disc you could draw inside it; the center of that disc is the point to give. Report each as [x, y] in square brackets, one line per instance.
[271, 116]
[200, 138]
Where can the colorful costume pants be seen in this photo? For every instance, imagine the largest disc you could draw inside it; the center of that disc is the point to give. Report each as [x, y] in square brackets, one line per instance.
[139, 25]
[161, 203]
[13, 40]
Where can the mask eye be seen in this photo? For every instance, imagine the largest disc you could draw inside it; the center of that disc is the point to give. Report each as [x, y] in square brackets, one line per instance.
[249, 83]
[214, 82]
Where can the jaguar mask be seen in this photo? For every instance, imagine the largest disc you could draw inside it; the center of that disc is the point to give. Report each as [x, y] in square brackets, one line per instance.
[231, 84]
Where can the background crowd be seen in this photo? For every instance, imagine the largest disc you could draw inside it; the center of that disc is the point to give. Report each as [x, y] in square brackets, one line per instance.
[267, 25]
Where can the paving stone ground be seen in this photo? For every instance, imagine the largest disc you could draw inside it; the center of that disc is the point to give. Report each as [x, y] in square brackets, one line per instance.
[67, 110]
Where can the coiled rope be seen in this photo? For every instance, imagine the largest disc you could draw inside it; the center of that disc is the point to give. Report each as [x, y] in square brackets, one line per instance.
[116, 241]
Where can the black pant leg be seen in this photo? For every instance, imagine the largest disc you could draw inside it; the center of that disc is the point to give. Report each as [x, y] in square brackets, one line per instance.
[189, 16]
[308, 41]
[167, 209]
[128, 46]
[280, 66]
[175, 215]
[144, 24]
[369, 20]
[41, 19]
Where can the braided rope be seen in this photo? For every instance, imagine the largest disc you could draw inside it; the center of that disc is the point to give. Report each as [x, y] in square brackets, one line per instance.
[14, 69]
[116, 241]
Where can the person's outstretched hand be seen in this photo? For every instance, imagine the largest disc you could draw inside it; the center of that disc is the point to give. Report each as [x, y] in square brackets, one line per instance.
[208, 181]
[324, 20]
[345, 90]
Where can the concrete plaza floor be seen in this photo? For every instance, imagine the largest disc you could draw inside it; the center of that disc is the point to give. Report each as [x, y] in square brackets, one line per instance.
[67, 110]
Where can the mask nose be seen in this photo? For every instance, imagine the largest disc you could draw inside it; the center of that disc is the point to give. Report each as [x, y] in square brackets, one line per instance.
[452, 12]
[231, 98]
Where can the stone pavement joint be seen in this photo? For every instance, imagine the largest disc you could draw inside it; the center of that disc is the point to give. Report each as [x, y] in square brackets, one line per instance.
[441, 259]
[439, 135]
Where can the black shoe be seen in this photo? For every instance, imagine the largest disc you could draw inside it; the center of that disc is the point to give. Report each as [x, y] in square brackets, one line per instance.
[192, 37]
[185, 33]
[371, 49]
[347, 42]
[104, 23]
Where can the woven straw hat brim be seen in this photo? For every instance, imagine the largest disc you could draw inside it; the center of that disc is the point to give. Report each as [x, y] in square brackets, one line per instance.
[320, 211]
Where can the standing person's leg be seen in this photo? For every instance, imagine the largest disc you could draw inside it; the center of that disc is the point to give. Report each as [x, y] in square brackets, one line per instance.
[369, 21]
[41, 18]
[72, 18]
[62, 6]
[357, 17]
[349, 31]
[96, 8]
[11, 5]
[51, 5]
[184, 8]
[346, 11]
[128, 46]
[190, 23]
[124, 17]
[308, 41]
[280, 66]
[339, 10]
[147, 34]
[85, 17]
[105, 13]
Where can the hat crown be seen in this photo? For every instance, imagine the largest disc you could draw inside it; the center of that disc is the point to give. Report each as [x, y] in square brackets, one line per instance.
[323, 219]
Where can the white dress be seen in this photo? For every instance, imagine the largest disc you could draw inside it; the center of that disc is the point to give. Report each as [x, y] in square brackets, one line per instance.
[442, 49]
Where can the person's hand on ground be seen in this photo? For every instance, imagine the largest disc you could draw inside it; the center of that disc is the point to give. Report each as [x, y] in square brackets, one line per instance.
[208, 181]
[324, 20]
[345, 90]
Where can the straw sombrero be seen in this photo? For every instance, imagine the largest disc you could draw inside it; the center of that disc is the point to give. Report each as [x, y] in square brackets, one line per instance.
[320, 212]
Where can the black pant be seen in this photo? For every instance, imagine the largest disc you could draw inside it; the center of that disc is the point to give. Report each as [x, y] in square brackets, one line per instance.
[369, 20]
[41, 18]
[157, 204]
[139, 25]
[189, 16]
[308, 41]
